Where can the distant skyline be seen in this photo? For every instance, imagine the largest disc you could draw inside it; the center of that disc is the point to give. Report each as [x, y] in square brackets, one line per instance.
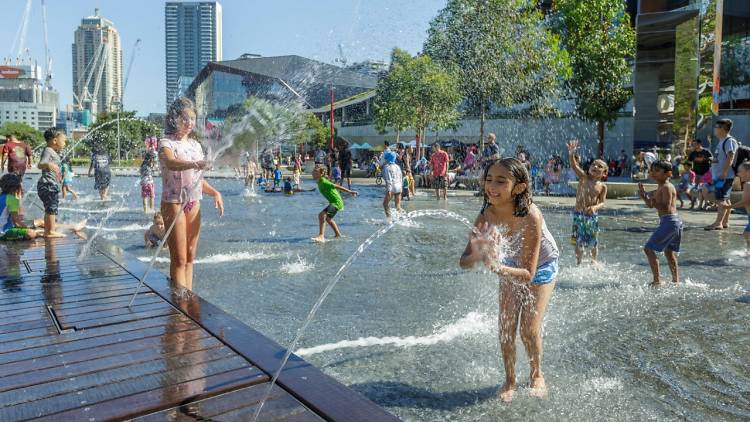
[366, 30]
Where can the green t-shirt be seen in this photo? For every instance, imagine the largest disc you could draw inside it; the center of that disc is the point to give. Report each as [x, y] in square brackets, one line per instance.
[329, 191]
[8, 205]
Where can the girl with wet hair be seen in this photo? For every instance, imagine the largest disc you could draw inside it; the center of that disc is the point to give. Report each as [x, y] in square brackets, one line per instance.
[182, 163]
[509, 221]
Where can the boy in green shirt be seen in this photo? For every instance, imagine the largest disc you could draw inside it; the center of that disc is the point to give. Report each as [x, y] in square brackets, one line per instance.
[11, 220]
[329, 190]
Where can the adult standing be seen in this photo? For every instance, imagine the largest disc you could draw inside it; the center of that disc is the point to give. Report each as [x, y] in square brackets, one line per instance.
[17, 154]
[345, 163]
[182, 160]
[100, 161]
[491, 149]
[439, 164]
[722, 172]
[700, 158]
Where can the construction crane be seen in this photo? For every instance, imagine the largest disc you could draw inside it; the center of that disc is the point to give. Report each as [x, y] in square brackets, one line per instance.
[47, 58]
[83, 93]
[20, 38]
[342, 58]
[130, 67]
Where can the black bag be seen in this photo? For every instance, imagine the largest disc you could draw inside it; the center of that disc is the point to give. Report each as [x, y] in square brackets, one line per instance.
[742, 155]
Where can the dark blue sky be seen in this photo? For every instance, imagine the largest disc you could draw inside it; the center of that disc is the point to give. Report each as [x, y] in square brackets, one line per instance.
[366, 28]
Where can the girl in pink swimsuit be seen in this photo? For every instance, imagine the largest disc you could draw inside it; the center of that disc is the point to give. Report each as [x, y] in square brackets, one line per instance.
[182, 162]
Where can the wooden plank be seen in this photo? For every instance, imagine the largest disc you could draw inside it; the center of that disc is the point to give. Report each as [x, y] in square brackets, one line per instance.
[144, 299]
[74, 319]
[127, 407]
[80, 300]
[28, 334]
[119, 319]
[26, 314]
[188, 371]
[70, 282]
[67, 359]
[273, 410]
[29, 349]
[101, 379]
[93, 293]
[199, 341]
[25, 325]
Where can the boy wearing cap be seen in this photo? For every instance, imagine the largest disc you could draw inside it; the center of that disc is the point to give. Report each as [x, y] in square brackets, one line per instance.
[393, 182]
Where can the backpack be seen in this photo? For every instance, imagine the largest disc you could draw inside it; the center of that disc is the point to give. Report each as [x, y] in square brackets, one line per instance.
[743, 154]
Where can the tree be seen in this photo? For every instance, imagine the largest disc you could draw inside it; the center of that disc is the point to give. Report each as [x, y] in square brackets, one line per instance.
[318, 134]
[22, 132]
[599, 40]
[132, 132]
[502, 50]
[417, 93]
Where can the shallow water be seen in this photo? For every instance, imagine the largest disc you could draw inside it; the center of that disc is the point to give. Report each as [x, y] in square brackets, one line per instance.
[411, 331]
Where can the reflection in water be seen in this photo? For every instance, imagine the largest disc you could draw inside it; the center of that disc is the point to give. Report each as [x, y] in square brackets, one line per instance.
[10, 269]
[51, 280]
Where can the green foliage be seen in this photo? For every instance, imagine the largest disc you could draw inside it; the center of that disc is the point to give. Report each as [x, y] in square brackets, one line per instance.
[416, 93]
[22, 132]
[318, 134]
[599, 40]
[502, 51]
[132, 133]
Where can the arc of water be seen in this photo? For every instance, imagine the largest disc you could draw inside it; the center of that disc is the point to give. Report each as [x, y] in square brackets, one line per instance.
[335, 280]
[104, 219]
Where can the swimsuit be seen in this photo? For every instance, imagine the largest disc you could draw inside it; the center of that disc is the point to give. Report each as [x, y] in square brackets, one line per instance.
[747, 228]
[547, 268]
[668, 235]
[585, 230]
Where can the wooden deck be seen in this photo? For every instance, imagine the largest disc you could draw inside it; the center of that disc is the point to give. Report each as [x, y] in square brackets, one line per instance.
[71, 349]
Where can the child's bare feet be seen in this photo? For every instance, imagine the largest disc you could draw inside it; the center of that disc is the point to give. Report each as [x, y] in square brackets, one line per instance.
[319, 239]
[655, 283]
[51, 235]
[506, 392]
[538, 388]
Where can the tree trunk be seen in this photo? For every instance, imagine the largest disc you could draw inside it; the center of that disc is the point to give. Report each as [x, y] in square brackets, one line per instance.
[481, 128]
[398, 135]
[600, 127]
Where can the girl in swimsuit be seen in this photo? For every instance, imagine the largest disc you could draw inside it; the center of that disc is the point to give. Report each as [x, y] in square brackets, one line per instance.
[528, 271]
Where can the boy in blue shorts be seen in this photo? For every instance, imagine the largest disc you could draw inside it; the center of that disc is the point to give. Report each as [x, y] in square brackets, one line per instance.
[11, 219]
[330, 191]
[668, 235]
[743, 171]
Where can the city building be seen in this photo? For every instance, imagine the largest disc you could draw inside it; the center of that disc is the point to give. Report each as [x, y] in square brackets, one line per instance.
[193, 39]
[221, 87]
[24, 98]
[97, 65]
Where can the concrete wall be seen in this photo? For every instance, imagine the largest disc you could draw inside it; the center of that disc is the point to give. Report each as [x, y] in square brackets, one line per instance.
[542, 137]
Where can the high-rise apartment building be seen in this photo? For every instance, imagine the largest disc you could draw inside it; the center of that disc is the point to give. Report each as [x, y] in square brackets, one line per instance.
[193, 38]
[97, 65]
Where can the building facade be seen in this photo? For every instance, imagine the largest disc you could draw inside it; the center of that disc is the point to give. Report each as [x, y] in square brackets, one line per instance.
[23, 97]
[97, 65]
[193, 39]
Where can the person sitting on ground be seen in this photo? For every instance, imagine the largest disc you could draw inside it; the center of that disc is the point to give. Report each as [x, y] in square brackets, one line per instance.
[48, 186]
[155, 233]
[288, 186]
[687, 183]
[393, 183]
[668, 235]
[329, 190]
[590, 198]
[743, 172]
[706, 189]
[12, 226]
[67, 179]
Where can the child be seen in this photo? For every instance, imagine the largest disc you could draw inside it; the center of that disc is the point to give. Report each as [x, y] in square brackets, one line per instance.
[11, 219]
[329, 190]
[252, 169]
[288, 187]
[147, 180]
[297, 172]
[590, 197]
[529, 271]
[705, 191]
[668, 235]
[48, 186]
[743, 172]
[155, 233]
[687, 183]
[336, 174]
[277, 177]
[393, 182]
[406, 190]
[67, 179]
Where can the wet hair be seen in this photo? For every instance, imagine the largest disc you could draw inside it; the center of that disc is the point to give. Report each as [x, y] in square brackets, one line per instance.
[744, 166]
[51, 133]
[519, 173]
[662, 165]
[10, 183]
[601, 163]
[323, 170]
[725, 123]
[175, 112]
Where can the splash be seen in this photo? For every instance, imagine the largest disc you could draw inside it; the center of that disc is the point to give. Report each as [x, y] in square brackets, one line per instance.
[296, 267]
[472, 324]
[219, 258]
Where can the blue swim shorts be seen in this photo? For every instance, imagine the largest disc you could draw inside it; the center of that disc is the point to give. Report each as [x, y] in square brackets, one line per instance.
[747, 228]
[668, 235]
[723, 189]
[546, 273]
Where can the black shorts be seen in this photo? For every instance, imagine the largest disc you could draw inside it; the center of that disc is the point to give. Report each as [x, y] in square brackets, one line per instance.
[330, 211]
[723, 191]
[102, 179]
[50, 196]
[439, 182]
[346, 172]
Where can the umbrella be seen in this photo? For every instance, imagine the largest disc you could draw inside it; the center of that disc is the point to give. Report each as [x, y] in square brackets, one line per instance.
[355, 146]
[366, 146]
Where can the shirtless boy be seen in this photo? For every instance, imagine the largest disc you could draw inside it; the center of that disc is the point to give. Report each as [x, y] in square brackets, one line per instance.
[590, 197]
[668, 235]
[743, 171]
